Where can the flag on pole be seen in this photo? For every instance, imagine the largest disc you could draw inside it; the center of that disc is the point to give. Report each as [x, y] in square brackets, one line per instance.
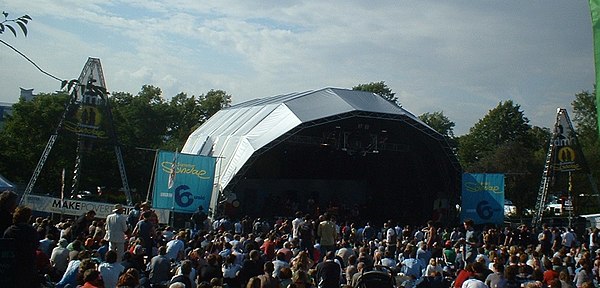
[595, 11]
[173, 172]
[62, 186]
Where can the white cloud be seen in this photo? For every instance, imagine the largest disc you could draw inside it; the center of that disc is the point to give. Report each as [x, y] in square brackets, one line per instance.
[462, 57]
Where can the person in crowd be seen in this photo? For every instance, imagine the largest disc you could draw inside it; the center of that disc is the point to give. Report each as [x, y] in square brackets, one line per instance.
[184, 276]
[129, 279]
[328, 272]
[251, 267]
[496, 279]
[8, 204]
[81, 226]
[198, 218]
[266, 278]
[306, 234]
[327, 234]
[211, 270]
[176, 247]
[159, 268]
[92, 279]
[26, 242]
[116, 230]
[471, 241]
[134, 216]
[279, 263]
[47, 244]
[59, 258]
[145, 232]
[111, 269]
[230, 270]
[411, 266]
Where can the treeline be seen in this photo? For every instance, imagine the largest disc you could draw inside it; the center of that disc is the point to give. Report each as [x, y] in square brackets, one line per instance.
[502, 141]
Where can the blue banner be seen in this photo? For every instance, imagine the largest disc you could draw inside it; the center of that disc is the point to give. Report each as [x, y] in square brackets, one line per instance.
[192, 181]
[483, 198]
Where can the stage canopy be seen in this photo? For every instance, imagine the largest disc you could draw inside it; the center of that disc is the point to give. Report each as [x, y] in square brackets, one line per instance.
[327, 149]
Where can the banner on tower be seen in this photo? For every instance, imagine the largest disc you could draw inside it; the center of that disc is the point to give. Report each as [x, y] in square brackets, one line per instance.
[568, 156]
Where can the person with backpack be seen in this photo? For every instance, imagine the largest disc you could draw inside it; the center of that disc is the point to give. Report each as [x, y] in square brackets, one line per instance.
[306, 235]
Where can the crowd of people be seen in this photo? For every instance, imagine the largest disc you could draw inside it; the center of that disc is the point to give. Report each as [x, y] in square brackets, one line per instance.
[134, 250]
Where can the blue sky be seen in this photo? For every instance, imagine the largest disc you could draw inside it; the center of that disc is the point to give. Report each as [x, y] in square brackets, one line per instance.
[459, 57]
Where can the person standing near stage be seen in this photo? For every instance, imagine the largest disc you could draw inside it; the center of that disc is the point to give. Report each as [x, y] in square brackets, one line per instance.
[134, 216]
[198, 219]
[116, 229]
[144, 230]
[471, 241]
[327, 234]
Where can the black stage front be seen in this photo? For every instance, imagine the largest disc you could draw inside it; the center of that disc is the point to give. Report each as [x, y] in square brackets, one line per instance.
[358, 167]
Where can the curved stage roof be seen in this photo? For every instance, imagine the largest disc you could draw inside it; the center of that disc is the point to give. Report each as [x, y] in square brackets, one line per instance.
[329, 139]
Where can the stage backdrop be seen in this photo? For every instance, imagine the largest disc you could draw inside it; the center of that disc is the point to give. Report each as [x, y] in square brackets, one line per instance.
[483, 198]
[192, 181]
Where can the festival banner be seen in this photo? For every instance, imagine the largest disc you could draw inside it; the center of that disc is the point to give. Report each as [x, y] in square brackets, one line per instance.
[192, 186]
[483, 198]
[88, 119]
[78, 207]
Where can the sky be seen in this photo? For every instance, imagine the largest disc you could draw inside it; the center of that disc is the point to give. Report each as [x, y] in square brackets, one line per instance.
[459, 57]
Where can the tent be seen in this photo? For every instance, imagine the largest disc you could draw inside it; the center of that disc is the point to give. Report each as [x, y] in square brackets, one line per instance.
[327, 145]
[6, 185]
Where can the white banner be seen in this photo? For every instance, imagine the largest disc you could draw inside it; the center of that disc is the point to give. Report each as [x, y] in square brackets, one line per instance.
[78, 208]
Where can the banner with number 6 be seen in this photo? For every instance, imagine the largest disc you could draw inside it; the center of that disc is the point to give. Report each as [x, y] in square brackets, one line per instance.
[192, 186]
[483, 198]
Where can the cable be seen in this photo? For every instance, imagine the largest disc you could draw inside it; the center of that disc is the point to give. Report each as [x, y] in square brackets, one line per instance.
[30, 61]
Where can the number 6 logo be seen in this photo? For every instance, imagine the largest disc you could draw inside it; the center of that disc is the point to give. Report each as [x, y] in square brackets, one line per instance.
[484, 210]
[183, 198]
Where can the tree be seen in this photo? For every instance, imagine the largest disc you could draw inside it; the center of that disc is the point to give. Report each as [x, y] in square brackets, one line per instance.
[585, 118]
[379, 88]
[21, 23]
[440, 123]
[25, 135]
[213, 101]
[504, 142]
[585, 122]
[505, 123]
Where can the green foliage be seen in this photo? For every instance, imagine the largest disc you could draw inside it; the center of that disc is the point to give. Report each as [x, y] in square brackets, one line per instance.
[379, 88]
[503, 124]
[504, 142]
[25, 135]
[21, 22]
[442, 124]
[585, 118]
[142, 122]
[585, 121]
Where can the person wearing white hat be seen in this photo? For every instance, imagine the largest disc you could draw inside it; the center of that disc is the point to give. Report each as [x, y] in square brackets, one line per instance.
[116, 228]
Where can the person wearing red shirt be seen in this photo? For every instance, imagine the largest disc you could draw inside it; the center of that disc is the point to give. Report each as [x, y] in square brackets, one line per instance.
[268, 247]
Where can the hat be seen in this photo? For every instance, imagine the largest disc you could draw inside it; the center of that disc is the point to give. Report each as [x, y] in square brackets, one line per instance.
[146, 204]
[118, 207]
